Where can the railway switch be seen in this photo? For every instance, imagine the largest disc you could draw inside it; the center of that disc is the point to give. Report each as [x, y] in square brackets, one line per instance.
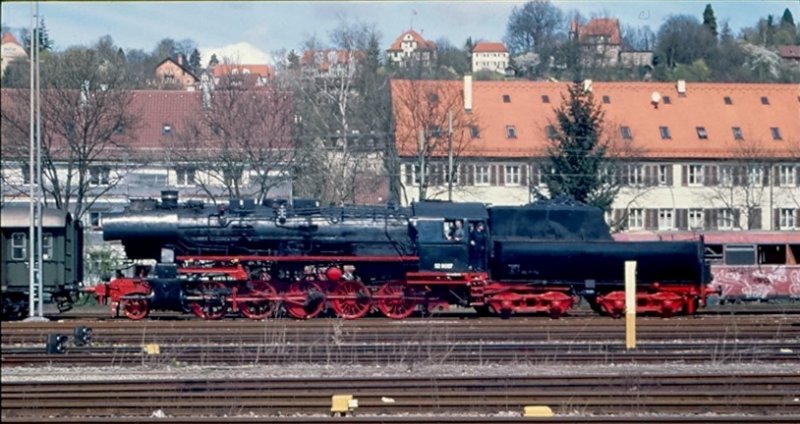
[82, 335]
[56, 344]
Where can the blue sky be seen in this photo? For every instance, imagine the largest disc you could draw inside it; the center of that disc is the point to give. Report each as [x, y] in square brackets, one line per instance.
[271, 26]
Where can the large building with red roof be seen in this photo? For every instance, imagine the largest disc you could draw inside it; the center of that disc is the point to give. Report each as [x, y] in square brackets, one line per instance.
[411, 47]
[489, 56]
[698, 155]
[10, 50]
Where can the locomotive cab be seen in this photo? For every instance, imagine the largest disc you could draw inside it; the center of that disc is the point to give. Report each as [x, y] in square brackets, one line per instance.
[443, 235]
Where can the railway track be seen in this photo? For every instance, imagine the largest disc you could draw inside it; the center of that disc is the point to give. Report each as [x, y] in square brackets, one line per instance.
[570, 340]
[573, 398]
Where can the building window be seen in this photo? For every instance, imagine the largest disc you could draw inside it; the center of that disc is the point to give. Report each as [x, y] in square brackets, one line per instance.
[695, 218]
[725, 219]
[506, 98]
[474, 131]
[664, 133]
[447, 174]
[481, 175]
[667, 100]
[166, 129]
[636, 219]
[728, 100]
[119, 129]
[99, 176]
[512, 175]
[702, 134]
[626, 133]
[47, 247]
[665, 219]
[663, 174]
[764, 100]
[511, 131]
[695, 177]
[737, 133]
[787, 175]
[725, 176]
[788, 219]
[433, 97]
[635, 175]
[551, 132]
[18, 246]
[755, 176]
[545, 99]
[95, 219]
[776, 133]
[185, 177]
[606, 99]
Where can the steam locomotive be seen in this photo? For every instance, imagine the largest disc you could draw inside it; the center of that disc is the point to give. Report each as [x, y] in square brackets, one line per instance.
[302, 260]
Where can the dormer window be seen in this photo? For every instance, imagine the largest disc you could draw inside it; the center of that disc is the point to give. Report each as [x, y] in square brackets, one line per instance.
[737, 133]
[665, 133]
[776, 133]
[545, 99]
[764, 100]
[702, 134]
[474, 131]
[667, 100]
[506, 98]
[166, 129]
[606, 99]
[511, 131]
[728, 100]
[625, 132]
[551, 132]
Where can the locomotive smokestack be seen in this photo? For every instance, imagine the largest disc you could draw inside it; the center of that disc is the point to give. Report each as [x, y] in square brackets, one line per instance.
[169, 198]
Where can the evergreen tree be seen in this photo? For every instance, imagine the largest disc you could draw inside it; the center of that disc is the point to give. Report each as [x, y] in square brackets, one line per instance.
[293, 60]
[213, 61]
[194, 61]
[45, 43]
[578, 152]
[787, 19]
[709, 21]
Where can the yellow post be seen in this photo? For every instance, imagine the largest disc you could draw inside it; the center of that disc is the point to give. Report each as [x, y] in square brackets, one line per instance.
[630, 304]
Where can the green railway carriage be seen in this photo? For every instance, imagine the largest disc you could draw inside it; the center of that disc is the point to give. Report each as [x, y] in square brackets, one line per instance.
[62, 258]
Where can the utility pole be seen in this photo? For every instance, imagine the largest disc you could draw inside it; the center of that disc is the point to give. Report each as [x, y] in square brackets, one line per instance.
[450, 156]
[422, 188]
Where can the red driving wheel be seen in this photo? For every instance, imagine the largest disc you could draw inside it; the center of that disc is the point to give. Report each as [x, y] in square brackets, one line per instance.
[351, 300]
[394, 302]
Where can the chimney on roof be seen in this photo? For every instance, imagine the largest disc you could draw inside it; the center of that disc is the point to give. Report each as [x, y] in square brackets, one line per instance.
[467, 92]
[681, 87]
[587, 85]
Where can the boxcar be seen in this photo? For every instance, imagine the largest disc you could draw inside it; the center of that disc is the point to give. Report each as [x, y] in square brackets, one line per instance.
[62, 258]
[746, 265]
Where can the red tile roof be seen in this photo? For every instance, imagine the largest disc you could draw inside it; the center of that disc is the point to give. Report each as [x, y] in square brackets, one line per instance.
[229, 69]
[489, 47]
[601, 27]
[422, 43]
[789, 52]
[155, 109]
[9, 38]
[630, 105]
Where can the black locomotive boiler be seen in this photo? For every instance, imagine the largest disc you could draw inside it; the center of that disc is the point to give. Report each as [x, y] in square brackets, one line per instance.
[301, 260]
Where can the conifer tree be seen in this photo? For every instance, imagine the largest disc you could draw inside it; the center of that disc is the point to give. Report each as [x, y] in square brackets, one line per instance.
[709, 20]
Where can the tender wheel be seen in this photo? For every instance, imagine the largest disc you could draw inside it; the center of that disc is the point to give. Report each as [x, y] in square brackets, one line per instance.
[352, 300]
[259, 309]
[304, 300]
[393, 301]
[135, 309]
[213, 306]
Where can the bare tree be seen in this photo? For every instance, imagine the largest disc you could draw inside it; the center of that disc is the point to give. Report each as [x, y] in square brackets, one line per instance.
[534, 27]
[428, 107]
[239, 140]
[740, 185]
[87, 118]
[340, 130]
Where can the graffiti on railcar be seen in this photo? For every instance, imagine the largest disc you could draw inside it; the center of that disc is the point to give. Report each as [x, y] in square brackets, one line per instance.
[757, 282]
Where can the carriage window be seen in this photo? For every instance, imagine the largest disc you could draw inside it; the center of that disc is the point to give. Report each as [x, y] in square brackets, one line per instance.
[47, 247]
[740, 254]
[772, 254]
[18, 242]
[713, 253]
